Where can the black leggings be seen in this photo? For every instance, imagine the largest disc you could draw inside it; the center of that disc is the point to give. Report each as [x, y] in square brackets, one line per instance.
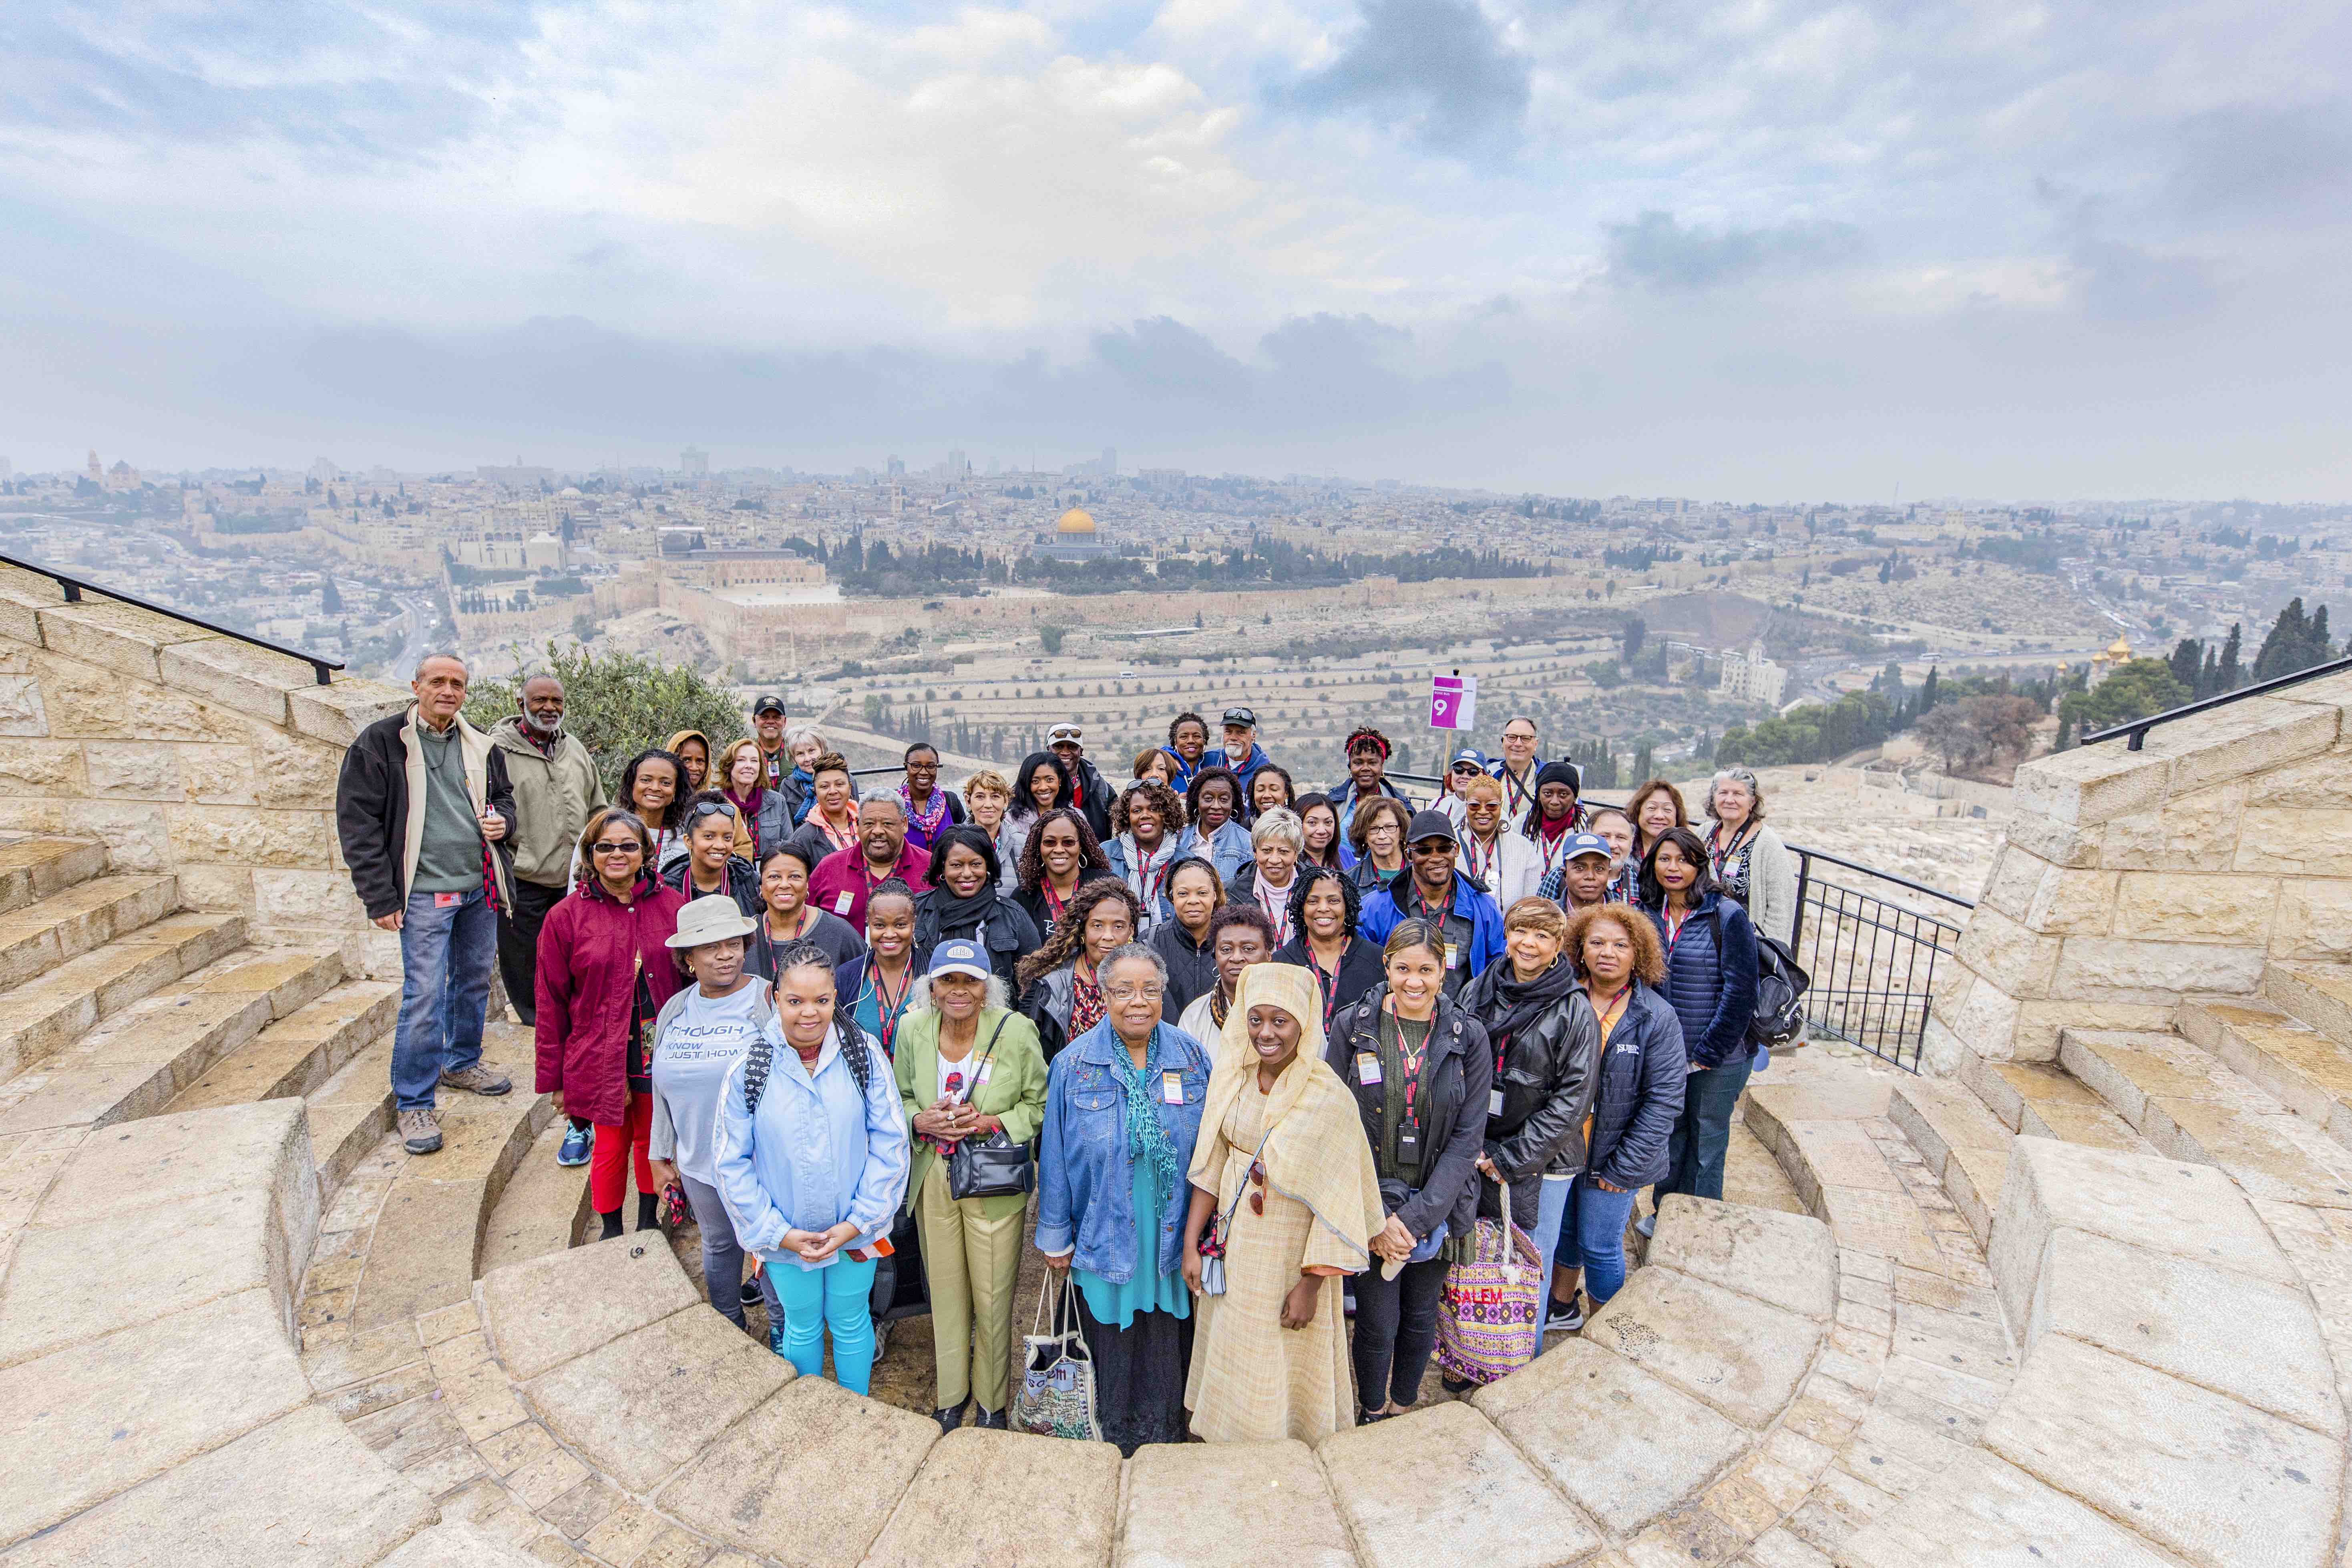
[1396, 1328]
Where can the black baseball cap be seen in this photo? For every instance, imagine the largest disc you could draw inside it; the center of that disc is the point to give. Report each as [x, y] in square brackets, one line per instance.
[1431, 824]
[1241, 716]
[767, 703]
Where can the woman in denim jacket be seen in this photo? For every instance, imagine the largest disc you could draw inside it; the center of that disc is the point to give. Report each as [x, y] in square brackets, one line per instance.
[1122, 1109]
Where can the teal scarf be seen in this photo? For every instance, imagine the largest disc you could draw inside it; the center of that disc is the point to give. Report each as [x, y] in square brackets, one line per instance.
[1146, 1140]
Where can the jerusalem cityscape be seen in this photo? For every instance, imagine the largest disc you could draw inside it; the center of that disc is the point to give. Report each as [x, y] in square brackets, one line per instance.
[1524, 787]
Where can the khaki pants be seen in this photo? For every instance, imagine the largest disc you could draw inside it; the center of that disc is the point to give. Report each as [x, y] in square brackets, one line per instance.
[971, 1262]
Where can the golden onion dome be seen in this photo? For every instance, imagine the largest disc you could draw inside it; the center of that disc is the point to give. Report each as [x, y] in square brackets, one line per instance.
[1077, 520]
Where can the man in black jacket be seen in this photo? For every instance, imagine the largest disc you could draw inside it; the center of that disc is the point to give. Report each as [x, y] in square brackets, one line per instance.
[1067, 742]
[423, 809]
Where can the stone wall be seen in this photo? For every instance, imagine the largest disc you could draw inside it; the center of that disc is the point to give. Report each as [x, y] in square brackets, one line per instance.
[182, 751]
[2130, 879]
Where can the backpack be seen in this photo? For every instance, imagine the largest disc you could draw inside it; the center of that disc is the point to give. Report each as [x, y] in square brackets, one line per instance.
[1780, 987]
[761, 1057]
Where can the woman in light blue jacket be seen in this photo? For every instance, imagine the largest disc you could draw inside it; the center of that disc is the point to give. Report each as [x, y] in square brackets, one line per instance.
[812, 1164]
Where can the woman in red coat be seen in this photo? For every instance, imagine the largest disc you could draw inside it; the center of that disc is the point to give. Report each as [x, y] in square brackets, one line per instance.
[604, 973]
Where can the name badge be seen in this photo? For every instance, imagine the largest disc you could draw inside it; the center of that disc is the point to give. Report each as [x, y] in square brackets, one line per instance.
[1452, 956]
[986, 1068]
[1494, 1102]
[1172, 1087]
[447, 900]
[841, 901]
[1367, 1066]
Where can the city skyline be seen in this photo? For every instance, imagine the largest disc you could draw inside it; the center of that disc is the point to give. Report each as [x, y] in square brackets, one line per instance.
[1704, 249]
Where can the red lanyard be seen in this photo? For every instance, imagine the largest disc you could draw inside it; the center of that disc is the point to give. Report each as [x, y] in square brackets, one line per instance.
[887, 1013]
[1674, 923]
[1479, 868]
[1328, 980]
[1053, 901]
[1616, 1006]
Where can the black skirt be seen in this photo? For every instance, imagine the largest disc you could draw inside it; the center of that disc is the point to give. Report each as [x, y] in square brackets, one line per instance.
[1139, 1375]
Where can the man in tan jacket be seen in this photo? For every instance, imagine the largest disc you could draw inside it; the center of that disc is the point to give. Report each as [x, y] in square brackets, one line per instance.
[556, 789]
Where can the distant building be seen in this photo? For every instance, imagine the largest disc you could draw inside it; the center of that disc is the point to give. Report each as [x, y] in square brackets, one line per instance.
[1752, 678]
[2117, 655]
[1075, 539]
[695, 462]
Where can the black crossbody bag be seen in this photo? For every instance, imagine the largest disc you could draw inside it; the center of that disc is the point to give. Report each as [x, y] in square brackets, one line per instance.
[994, 1167]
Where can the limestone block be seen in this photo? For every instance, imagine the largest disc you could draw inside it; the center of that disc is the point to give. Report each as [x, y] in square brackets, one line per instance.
[21, 713]
[114, 636]
[170, 1159]
[551, 1309]
[1625, 1445]
[2189, 1211]
[2169, 906]
[2009, 885]
[140, 769]
[104, 705]
[32, 814]
[2314, 918]
[1740, 1355]
[2121, 969]
[235, 675]
[2091, 784]
[1982, 1513]
[2328, 691]
[315, 900]
[23, 597]
[2192, 832]
[302, 1492]
[247, 836]
[2012, 957]
[943, 1523]
[1444, 1483]
[645, 1403]
[1229, 1505]
[336, 714]
[1879, 1224]
[808, 1479]
[2056, 842]
[458, 1544]
[2320, 783]
[110, 1414]
[2217, 1482]
[290, 770]
[1787, 1260]
[2191, 1320]
[2306, 841]
[187, 1253]
[1978, 1018]
[2034, 1037]
[41, 767]
[2072, 903]
[2242, 738]
[217, 888]
[217, 776]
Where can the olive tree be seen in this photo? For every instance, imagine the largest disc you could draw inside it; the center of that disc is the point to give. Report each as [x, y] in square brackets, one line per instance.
[619, 704]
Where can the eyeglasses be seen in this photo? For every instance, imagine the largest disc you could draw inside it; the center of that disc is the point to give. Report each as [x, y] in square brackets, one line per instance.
[703, 809]
[1130, 993]
[616, 847]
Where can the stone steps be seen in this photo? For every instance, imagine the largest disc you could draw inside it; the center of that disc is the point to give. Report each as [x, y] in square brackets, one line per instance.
[80, 919]
[301, 1051]
[2318, 994]
[350, 1113]
[137, 1062]
[2046, 1101]
[32, 868]
[2302, 1068]
[42, 1016]
[544, 1207]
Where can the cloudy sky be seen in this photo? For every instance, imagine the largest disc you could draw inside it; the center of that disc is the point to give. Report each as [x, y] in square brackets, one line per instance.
[1757, 249]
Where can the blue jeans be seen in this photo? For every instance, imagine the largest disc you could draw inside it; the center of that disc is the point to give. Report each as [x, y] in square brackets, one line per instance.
[1553, 1209]
[834, 1296]
[1592, 1238]
[446, 954]
[1702, 1134]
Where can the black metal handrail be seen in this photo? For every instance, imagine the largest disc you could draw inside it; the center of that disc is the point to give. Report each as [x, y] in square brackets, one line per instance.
[2137, 729]
[1873, 960]
[74, 587]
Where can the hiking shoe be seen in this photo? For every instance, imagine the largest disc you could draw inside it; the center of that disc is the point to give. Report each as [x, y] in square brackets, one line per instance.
[750, 1296]
[1565, 1317]
[577, 1141]
[1647, 1224]
[478, 1079]
[420, 1131]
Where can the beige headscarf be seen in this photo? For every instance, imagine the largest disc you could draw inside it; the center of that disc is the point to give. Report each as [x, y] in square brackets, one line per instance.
[1318, 1154]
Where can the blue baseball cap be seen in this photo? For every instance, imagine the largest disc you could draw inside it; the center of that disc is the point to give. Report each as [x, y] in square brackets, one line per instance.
[960, 956]
[1582, 844]
[1473, 755]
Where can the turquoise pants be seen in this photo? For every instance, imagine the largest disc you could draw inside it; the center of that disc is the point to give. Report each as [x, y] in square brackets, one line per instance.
[834, 1296]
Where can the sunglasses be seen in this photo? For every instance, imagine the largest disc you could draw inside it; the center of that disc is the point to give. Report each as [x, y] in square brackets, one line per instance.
[616, 847]
[703, 809]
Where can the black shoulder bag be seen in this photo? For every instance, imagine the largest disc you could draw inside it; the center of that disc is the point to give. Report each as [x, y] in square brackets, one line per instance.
[994, 1167]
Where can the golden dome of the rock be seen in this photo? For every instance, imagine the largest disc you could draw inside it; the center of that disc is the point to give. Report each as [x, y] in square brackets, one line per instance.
[1077, 520]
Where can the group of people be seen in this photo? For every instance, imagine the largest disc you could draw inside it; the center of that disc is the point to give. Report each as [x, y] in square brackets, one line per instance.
[1273, 1053]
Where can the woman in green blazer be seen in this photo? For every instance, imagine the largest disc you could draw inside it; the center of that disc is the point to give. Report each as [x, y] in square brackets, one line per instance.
[968, 1065]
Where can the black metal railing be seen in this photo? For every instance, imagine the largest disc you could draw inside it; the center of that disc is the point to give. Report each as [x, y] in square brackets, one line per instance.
[2137, 729]
[74, 587]
[1872, 941]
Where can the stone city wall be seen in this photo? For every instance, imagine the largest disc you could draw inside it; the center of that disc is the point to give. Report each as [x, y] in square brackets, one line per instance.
[182, 751]
[2131, 880]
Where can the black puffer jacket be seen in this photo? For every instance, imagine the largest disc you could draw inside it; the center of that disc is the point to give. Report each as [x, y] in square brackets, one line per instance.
[1545, 1076]
[1191, 967]
[1011, 936]
[1460, 1073]
[1642, 1076]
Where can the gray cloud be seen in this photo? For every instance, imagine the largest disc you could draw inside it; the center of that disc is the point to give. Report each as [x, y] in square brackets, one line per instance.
[1164, 358]
[1658, 250]
[1438, 67]
[2264, 161]
[2128, 286]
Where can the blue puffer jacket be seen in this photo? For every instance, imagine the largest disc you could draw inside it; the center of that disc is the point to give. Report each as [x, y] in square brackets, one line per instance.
[1640, 1093]
[1711, 978]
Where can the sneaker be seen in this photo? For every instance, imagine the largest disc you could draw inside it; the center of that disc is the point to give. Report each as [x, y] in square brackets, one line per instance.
[749, 1295]
[1565, 1319]
[1647, 1226]
[993, 1421]
[420, 1131]
[478, 1079]
[776, 1338]
[577, 1141]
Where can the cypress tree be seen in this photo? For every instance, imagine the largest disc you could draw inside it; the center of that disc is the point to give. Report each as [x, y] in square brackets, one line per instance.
[2229, 676]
